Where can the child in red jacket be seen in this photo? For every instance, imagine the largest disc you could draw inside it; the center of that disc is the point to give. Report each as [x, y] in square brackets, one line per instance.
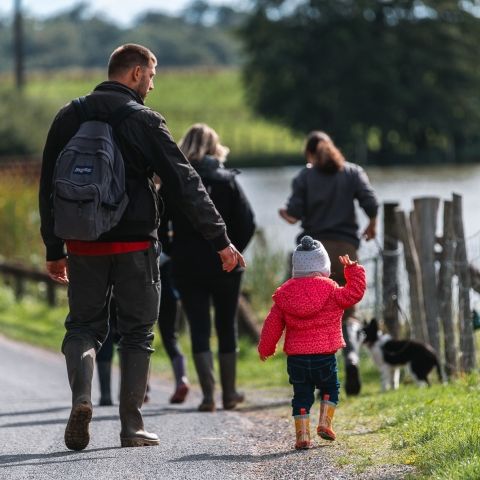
[309, 307]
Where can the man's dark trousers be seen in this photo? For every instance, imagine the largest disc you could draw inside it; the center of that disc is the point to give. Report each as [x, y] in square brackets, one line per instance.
[135, 280]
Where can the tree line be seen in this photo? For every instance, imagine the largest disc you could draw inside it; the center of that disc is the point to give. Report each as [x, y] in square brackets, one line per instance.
[391, 80]
[201, 35]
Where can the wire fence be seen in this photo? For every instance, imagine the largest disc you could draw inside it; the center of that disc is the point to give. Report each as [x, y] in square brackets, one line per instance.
[372, 256]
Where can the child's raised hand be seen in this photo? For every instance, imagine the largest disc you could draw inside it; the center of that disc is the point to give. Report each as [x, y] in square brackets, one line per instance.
[345, 260]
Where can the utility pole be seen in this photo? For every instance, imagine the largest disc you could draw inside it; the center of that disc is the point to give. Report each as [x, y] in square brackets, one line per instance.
[18, 44]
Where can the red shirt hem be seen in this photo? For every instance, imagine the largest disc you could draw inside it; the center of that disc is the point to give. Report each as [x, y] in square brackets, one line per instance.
[78, 247]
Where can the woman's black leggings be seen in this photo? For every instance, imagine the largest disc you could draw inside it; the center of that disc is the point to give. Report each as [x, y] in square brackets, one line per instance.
[196, 295]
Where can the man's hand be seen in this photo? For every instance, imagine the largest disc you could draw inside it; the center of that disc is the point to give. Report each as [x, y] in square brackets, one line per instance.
[262, 357]
[371, 231]
[230, 257]
[57, 270]
[283, 213]
[345, 260]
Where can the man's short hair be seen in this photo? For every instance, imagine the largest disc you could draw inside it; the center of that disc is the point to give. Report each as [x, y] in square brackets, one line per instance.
[129, 56]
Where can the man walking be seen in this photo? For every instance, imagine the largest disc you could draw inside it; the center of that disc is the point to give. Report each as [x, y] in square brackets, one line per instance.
[123, 260]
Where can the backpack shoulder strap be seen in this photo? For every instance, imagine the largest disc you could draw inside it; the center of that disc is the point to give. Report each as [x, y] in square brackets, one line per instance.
[121, 113]
[81, 108]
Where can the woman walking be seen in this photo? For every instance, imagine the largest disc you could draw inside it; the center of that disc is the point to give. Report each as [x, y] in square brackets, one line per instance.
[198, 273]
[323, 198]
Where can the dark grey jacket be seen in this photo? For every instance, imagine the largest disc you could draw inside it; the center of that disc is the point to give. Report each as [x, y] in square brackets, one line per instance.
[147, 147]
[325, 203]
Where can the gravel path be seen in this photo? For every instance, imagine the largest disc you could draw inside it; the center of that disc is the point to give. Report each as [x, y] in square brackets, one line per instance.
[254, 442]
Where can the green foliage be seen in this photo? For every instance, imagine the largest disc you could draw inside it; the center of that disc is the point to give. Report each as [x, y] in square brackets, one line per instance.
[20, 221]
[182, 96]
[22, 123]
[78, 38]
[393, 79]
[266, 272]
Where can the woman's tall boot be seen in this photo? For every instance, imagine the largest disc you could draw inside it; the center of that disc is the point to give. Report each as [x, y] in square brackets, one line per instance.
[204, 366]
[228, 374]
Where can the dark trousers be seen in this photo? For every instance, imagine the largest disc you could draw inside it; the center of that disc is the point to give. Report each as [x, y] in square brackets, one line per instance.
[307, 372]
[166, 320]
[168, 312]
[196, 295]
[134, 280]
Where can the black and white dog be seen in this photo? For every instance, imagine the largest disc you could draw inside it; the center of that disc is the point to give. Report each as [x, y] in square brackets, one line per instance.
[389, 355]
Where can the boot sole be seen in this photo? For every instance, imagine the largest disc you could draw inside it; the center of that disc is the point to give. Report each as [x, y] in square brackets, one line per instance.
[138, 442]
[325, 436]
[77, 435]
[203, 407]
[303, 446]
[231, 404]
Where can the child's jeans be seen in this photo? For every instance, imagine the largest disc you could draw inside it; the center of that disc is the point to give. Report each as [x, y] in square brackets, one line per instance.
[307, 372]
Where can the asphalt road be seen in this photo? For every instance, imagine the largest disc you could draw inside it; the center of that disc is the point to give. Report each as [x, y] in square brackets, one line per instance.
[245, 444]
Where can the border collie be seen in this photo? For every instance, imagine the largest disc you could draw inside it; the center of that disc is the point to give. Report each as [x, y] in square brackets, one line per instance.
[389, 355]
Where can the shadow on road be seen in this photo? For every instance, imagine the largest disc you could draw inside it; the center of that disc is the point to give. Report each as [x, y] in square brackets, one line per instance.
[22, 459]
[238, 458]
[33, 412]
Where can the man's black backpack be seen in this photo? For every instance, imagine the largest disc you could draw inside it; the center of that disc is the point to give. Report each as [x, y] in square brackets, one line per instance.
[89, 196]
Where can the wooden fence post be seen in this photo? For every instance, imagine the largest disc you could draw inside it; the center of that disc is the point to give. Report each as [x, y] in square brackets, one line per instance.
[425, 216]
[445, 289]
[467, 340]
[51, 294]
[418, 324]
[390, 270]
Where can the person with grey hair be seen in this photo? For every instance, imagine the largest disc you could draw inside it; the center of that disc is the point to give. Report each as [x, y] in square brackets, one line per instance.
[123, 260]
[323, 199]
[197, 273]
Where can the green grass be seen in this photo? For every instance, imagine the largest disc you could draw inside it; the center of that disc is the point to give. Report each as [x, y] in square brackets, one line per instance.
[20, 221]
[184, 97]
[435, 430]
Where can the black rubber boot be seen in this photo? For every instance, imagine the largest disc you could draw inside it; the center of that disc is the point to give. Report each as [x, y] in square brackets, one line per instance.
[204, 366]
[133, 385]
[228, 374]
[80, 357]
[104, 376]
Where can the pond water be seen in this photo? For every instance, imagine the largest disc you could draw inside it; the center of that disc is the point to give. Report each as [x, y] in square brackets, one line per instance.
[269, 188]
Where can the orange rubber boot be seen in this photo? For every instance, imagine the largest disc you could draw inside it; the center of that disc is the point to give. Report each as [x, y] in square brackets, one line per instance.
[302, 430]
[327, 410]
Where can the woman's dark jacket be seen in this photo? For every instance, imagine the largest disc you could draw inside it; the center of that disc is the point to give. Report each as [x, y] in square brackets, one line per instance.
[192, 255]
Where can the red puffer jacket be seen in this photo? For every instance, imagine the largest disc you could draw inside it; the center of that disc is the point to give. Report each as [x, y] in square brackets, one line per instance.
[310, 309]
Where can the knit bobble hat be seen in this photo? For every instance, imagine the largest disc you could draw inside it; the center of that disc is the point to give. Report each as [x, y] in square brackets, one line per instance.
[310, 256]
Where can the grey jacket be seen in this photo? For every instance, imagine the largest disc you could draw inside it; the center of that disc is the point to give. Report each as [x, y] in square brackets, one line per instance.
[325, 203]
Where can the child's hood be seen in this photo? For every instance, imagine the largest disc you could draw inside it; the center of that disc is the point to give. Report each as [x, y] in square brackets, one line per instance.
[304, 296]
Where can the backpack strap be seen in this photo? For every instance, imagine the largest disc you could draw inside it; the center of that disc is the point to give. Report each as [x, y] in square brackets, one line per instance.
[81, 107]
[114, 119]
[121, 113]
